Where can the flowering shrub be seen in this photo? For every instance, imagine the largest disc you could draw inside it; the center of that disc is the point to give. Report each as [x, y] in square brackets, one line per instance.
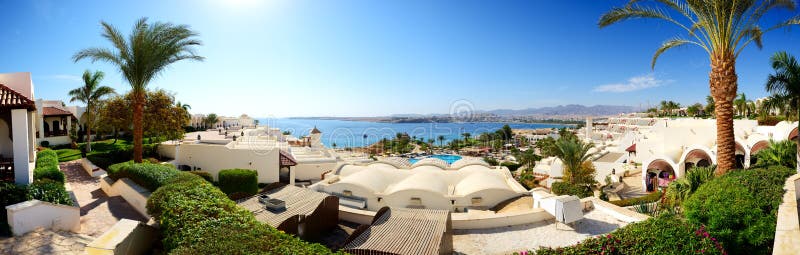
[740, 208]
[659, 235]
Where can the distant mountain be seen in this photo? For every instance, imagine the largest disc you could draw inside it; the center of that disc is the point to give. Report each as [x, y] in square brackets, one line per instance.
[564, 110]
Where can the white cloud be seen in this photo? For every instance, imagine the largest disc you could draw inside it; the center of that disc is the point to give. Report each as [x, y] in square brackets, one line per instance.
[635, 83]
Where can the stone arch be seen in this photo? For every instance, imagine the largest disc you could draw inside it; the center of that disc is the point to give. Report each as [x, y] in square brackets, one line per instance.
[793, 134]
[659, 173]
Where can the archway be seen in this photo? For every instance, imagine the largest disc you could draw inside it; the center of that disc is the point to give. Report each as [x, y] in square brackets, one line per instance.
[659, 174]
[741, 155]
[697, 158]
[760, 145]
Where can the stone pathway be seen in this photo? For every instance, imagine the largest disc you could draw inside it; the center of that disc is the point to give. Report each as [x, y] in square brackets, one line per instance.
[43, 241]
[633, 186]
[99, 212]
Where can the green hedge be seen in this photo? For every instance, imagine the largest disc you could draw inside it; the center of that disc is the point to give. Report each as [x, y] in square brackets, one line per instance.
[198, 218]
[649, 198]
[9, 194]
[49, 191]
[664, 234]
[565, 188]
[47, 167]
[740, 208]
[232, 181]
[511, 166]
[203, 174]
[149, 176]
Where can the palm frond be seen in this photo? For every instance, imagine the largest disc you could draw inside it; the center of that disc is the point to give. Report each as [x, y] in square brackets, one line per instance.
[669, 44]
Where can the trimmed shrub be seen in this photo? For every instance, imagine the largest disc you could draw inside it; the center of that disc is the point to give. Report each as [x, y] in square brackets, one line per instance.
[740, 208]
[113, 170]
[664, 234]
[9, 194]
[47, 167]
[205, 175]
[566, 188]
[238, 181]
[149, 176]
[511, 166]
[649, 198]
[49, 191]
[194, 216]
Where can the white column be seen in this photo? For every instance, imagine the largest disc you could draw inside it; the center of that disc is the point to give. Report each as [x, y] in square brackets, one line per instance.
[19, 127]
[32, 136]
[291, 175]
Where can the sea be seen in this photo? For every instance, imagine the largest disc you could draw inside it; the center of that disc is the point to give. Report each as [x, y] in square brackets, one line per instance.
[359, 133]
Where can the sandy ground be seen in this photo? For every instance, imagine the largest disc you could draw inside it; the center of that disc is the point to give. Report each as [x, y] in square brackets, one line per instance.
[507, 240]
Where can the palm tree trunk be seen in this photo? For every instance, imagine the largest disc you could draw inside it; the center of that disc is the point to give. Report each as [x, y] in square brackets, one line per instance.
[138, 127]
[723, 83]
[88, 138]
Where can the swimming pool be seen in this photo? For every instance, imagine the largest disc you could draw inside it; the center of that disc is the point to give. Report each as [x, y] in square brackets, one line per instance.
[446, 157]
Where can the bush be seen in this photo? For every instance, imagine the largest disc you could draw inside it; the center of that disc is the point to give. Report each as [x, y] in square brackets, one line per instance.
[664, 234]
[45, 144]
[566, 188]
[238, 181]
[149, 176]
[197, 218]
[113, 170]
[511, 166]
[47, 167]
[205, 175]
[740, 208]
[491, 161]
[9, 194]
[649, 198]
[49, 191]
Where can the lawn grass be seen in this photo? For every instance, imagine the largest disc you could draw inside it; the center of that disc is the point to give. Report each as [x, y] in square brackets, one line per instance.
[65, 155]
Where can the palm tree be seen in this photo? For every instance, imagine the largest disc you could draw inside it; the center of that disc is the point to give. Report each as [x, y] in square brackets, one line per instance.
[211, 119]
[778, 154]
[143, 56]
[441, 139]
[785, 84]
[90, 93]
[723, 28]
[572, 153]
[680, 189]
[709, 105]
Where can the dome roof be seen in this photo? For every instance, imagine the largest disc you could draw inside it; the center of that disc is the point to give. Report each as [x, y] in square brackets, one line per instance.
[480, 181]
[369, 178]
[428, 181]
[395, 161]
[467, 162]
[432, 162]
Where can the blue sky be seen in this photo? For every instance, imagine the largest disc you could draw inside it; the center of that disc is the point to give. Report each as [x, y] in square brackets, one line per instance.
[371, 58]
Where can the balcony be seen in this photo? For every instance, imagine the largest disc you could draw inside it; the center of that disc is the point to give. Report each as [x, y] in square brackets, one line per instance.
[55, 133]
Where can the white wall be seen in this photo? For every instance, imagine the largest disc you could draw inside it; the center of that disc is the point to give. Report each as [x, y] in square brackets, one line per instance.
[22, 150]
[134, 194]
[29, 215]
[213, 158]
[312, 171]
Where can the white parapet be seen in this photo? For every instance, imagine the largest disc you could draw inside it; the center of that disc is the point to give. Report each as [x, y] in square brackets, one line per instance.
[125, 237]
[787, 230]
[92, 169]
[29, 215]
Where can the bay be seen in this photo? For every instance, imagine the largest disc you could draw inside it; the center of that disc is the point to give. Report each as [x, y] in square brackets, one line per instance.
[359, 133]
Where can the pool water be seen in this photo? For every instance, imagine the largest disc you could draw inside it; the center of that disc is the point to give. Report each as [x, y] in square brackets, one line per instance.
[446, 157]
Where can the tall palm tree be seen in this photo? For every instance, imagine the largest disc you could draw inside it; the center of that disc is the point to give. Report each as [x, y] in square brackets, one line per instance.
[785, 84]
[90, 93]
[441, 139]
[572, 152]
[146, 53]
[723, 28]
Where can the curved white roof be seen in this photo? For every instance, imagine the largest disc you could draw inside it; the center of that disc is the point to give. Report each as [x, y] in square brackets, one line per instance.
[467, 162]
[395, 161]
[480, 181]
[373, 179]
[432, 162]
[428, 181]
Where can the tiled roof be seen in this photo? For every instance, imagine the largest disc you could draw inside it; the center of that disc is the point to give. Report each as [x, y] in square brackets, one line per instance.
[287, 159]
[404, 231]
[11, 99]
[53, 111]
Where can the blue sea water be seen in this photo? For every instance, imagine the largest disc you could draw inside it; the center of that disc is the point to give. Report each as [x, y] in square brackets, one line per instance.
[360, 133]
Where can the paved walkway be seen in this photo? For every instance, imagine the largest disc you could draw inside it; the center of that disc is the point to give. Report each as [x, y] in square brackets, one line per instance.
[98, 211]
[633, 186]
[43, 241]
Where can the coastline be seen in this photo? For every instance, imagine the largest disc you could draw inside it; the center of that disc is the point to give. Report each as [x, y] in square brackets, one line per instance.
[424, 120]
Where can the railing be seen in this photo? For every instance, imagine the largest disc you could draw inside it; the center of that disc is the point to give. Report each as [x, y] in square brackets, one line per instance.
[55, 133]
